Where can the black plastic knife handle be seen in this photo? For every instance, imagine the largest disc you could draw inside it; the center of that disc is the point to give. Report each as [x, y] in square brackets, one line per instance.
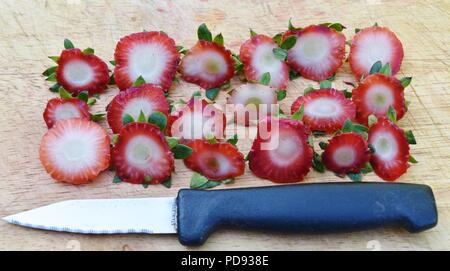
[305, 208]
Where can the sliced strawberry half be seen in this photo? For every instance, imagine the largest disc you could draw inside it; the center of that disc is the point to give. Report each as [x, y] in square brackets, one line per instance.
[207, 64]
[390, 159]
[78, 72]
[146, 98]
[216, 161]
[251, 101]
[197, 120]
[141, 154]
[152, 55]
[75, 151]
[346, 153]
[281, 152]
[60, 109]
[374, 44]
[318, 52]
[375, 94]
[325, 109]
[258, 58]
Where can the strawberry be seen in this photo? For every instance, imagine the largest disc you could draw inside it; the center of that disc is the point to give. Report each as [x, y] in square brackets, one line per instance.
[197, 120]
[147, 98]
[346, 153]
[258, 58]
[374, 44]
[60, 109]
[152, 55]
[325, 109]
[75, 151]
[216, 161]
[80, 71]
[391, 156]
[281, 152]
[318, 52]
[376, 93]
[142, 155]
[208, 65]
[254, 98]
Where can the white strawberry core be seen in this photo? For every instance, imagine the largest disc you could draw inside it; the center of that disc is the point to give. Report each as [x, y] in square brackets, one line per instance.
[141, 151]
[314, 51]
[78, 73]
[385, 145]
[136, 105]
[216, 162]
[373, 47]
[208, 65]
[66, 111]
[323, 108]
[289, 148]
[75, 149]
[344, 156]
[253, 94]
[264, 61]
[379, 98]
[149, 61]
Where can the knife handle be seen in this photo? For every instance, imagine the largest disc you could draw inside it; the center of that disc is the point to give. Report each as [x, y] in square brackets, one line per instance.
[305, 208]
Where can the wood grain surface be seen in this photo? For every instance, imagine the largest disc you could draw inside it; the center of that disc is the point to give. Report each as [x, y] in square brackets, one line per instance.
[32, 30]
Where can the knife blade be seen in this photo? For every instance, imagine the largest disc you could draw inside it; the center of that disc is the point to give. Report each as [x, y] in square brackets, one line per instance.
[194, 214]
[103, 216]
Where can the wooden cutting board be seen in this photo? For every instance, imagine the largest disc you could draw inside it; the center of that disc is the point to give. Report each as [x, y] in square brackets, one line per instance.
[33, 30]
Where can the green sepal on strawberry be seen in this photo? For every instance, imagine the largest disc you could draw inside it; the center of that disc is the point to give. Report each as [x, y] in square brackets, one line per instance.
[199, 181]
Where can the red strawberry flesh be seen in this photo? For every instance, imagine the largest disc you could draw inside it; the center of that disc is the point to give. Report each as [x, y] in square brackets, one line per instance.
[376, 94]
[197, 120]
[152, 55]
[374, 44]
[147, 98]
[325, 109]
[75, 151]
[390, 159]
[216, 161]
[208, 65]
[142, 155]
[318, 52]
[258, 58]
[60, 109]
[346, 153]
[282, 154]
[78, 72]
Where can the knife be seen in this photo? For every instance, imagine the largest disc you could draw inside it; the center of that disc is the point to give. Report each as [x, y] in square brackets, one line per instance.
[194, 214]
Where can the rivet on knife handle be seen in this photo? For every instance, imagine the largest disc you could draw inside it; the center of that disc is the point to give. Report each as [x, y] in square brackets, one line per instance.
[307, 208]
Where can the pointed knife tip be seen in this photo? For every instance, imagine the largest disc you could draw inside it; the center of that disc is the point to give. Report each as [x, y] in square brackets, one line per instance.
[8, 219]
